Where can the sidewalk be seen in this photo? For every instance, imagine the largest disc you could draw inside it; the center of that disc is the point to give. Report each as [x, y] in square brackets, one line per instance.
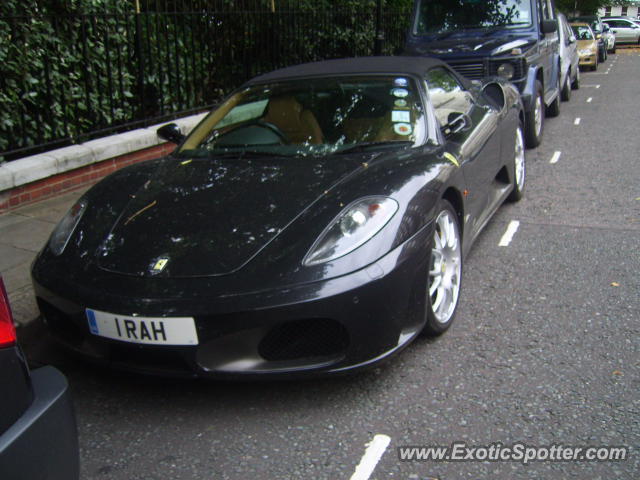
[23, 232]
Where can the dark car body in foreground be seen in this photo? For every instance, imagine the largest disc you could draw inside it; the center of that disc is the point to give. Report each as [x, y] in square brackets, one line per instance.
[38, 438]
[314, 223]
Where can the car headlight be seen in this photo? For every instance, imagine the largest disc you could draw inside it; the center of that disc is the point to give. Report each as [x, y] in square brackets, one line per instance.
[506, 71]
[585, 51]
[62, 233]
[354, 226]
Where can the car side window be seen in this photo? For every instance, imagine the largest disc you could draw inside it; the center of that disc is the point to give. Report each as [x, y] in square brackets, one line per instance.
[447, 95]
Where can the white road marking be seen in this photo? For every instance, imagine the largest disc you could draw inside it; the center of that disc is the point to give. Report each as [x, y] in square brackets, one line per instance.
[555, 157]
[577, 121]
[589, 100]
[508, 235]
[591, 86]
[597, 86]
[371, 457]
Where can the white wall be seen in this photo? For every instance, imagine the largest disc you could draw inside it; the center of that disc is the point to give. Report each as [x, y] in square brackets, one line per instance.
[617, 11]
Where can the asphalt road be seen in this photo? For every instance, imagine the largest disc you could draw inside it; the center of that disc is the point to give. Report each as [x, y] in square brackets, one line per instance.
[545, 349]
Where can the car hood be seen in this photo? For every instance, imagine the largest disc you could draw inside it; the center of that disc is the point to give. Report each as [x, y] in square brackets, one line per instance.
[202, 217]
[468, 45]
[582, 44]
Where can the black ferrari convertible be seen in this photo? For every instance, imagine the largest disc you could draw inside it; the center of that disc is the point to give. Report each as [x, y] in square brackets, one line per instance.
[315, 223]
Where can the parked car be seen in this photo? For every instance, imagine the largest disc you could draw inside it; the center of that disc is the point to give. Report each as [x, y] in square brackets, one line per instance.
[316, 222]
[610, 39]
[569, 61]
[38, 437]
[598, 28]
[626, 31]
[631, 19]
[587, 45]
[513, 39]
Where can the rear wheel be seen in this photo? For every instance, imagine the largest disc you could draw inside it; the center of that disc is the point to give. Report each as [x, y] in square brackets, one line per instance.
[445, 271]
[519, 168]
[602, 55]
[576, 81]
[553, 110]
[565, 94]
[534, 119]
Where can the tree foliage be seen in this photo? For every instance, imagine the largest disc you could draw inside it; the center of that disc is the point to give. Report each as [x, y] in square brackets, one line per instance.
[69, 68]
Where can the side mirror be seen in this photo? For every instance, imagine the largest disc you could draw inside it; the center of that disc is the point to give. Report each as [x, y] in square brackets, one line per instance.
[456, 123]
[171, 132]
[572, 39]
[549, 26]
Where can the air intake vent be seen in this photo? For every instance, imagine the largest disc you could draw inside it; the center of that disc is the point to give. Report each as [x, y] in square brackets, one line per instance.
[473, 70]
[315, 337]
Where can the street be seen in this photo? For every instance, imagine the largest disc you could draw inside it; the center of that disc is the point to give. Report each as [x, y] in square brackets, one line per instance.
[545, 349]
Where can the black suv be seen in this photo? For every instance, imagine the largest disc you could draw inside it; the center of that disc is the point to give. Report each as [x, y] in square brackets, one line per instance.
[514, 39]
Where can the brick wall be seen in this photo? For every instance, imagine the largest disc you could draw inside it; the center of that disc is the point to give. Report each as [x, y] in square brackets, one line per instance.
[73, 179]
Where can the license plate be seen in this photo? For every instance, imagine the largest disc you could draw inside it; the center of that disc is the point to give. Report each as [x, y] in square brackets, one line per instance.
[147, 330]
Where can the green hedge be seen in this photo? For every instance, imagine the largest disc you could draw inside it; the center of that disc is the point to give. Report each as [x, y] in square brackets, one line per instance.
[71, 69]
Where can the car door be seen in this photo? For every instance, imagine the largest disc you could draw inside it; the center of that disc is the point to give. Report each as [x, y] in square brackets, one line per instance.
[625, 33]
[471, 135]
[549, 45]
[570, 46]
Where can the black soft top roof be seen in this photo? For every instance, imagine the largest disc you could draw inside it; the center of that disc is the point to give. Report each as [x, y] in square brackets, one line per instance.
[350, 66]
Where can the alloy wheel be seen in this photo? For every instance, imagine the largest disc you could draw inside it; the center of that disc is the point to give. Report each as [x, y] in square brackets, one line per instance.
[446, 267]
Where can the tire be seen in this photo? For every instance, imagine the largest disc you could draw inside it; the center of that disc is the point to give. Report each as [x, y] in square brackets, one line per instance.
[565, 93]
[534, 119]
[519, 167]
[553, 110]
[445, 271]
[576, 81]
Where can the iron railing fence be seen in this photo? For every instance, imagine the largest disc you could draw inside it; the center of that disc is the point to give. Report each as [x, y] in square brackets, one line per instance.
[69, 78]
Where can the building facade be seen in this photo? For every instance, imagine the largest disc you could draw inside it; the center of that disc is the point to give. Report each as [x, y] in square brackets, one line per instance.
[615, 11]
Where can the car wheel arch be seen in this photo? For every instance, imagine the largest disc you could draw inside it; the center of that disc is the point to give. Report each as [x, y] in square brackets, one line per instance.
[454, 197]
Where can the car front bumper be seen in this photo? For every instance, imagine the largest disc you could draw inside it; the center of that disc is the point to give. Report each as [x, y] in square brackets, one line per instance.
[588, 60]
[43, 442]
[324, 327]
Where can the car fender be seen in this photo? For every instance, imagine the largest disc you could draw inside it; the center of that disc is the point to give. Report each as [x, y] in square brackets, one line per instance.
[530, 87]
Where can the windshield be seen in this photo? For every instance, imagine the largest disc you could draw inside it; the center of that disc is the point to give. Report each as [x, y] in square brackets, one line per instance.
[582, 32]
[442, 16]
[313, 117]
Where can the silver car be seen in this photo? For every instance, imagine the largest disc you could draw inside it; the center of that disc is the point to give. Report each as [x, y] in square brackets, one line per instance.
[609, 38]
[626, 31]
[569, 70]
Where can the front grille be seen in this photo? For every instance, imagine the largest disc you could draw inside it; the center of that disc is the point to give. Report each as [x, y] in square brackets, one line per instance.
[472, 70]
[317, 337]
[167, 360]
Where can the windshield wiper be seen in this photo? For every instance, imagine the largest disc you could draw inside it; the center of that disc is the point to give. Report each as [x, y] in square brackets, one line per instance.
[203, 153]
[364, 146]
[261, 153]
